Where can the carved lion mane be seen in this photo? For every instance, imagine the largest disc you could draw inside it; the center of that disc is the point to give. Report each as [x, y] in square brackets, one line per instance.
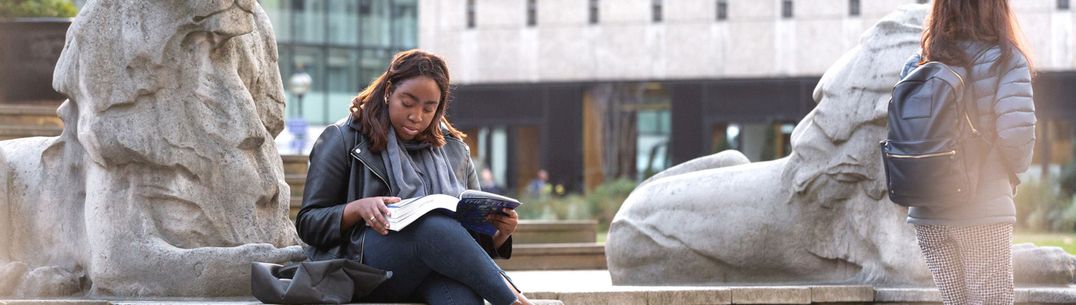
[166, 180]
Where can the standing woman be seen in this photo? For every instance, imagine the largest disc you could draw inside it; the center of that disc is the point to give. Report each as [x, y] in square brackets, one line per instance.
[396, 144]
[968, 247]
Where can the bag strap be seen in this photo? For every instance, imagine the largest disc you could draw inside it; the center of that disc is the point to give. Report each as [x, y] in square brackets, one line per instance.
[970, 104]
[1013, 178]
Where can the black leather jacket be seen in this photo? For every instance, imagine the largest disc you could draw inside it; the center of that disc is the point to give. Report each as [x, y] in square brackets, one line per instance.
[342, 170]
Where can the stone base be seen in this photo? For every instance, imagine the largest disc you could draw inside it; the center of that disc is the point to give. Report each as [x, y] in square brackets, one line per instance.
[671, 295]
[187, 301]
[559, 256]
[555, 231]
[782, 295]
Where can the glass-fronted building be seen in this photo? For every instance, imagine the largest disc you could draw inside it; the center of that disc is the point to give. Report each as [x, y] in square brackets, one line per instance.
[341, 44]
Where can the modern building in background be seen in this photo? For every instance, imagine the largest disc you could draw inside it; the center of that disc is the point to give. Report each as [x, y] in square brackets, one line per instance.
[342, 45]
[592, 90]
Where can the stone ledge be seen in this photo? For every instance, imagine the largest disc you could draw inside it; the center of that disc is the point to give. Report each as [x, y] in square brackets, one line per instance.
[295, 164]
[556, 256]
[295, 158]
[1043, 295]
[771, 295]
[189, 301]
[559, 248]
[841, 294]
[1051, 295]
[658, 295]
[16, 130]
[906, 295]
[558, 231]
[667, 295]
[641, 296]
[51, 302]
[37, 110]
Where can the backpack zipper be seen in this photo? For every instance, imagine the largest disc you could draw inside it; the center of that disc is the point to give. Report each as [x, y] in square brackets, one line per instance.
[973, 130]
[941, 154]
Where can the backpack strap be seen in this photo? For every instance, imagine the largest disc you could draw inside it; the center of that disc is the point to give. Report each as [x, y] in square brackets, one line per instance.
[1014, 180]
[970, 103]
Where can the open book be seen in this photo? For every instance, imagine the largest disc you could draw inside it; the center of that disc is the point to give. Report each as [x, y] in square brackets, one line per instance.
[470, 209]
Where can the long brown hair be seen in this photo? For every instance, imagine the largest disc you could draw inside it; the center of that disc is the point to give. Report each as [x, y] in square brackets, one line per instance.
[372, 112]
[987, 21]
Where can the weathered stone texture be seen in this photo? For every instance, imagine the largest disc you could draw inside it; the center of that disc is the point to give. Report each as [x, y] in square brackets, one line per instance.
[165, 180]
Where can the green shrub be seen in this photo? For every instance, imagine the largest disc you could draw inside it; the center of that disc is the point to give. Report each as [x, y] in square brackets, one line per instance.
[601, 204]
[570, 206]
[1040, 207]
[1068, 179]
[606, 199]
[37, 8]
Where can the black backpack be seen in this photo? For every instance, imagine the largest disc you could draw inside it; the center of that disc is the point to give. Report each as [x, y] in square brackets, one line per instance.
[932, 153]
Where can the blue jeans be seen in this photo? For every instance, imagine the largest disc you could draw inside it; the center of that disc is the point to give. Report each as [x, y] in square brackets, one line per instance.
[434, 260]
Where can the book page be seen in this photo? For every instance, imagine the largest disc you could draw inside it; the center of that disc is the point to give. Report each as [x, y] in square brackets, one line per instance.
[408, 210]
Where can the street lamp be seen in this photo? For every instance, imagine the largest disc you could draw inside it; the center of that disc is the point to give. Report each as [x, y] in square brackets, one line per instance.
[300, 84]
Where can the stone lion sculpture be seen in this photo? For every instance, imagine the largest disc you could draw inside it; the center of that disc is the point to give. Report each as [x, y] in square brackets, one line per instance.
[165, 180]
[820, 215]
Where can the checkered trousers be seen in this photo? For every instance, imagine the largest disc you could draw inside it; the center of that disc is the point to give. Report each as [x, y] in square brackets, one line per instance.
[970, 264]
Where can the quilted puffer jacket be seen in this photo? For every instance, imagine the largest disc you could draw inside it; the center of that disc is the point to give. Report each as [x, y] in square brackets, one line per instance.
[1007, 119]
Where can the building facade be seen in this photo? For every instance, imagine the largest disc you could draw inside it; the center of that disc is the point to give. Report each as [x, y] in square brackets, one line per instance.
[341, 44]
[596, 89]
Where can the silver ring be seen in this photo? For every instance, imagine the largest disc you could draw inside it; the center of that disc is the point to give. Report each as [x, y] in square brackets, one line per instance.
[373, 219]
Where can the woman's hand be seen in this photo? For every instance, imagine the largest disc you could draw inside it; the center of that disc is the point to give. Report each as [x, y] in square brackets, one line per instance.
[371, 210]
[505, 224]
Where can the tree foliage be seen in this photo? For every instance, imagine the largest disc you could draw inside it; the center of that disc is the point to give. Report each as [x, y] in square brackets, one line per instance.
[37, 8]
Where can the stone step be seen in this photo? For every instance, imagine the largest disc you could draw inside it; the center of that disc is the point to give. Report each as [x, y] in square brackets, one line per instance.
[555, 256]
[781, 295]
[555, 231]
[293, 207]
[667, 295]
[29, 115]
[295, 164]
[188, 301]
[297, 184]
[8, 132]
[713, 295]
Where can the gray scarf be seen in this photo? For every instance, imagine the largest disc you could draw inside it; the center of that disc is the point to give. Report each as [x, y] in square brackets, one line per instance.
[417, 169]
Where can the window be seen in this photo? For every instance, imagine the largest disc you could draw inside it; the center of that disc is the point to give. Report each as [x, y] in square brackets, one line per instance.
[786, 9]
[655, 9]
[722, 10]
[922, 1]
[593, 11]
[1063, 4]
[853, 8]
[365, 8]
[470, 14]
[532, 12]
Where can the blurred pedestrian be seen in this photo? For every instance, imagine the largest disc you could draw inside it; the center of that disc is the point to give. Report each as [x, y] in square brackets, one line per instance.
[490, 185]
[538, 187]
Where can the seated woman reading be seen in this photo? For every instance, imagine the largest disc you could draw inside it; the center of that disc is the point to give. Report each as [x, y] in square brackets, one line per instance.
[397, 143]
